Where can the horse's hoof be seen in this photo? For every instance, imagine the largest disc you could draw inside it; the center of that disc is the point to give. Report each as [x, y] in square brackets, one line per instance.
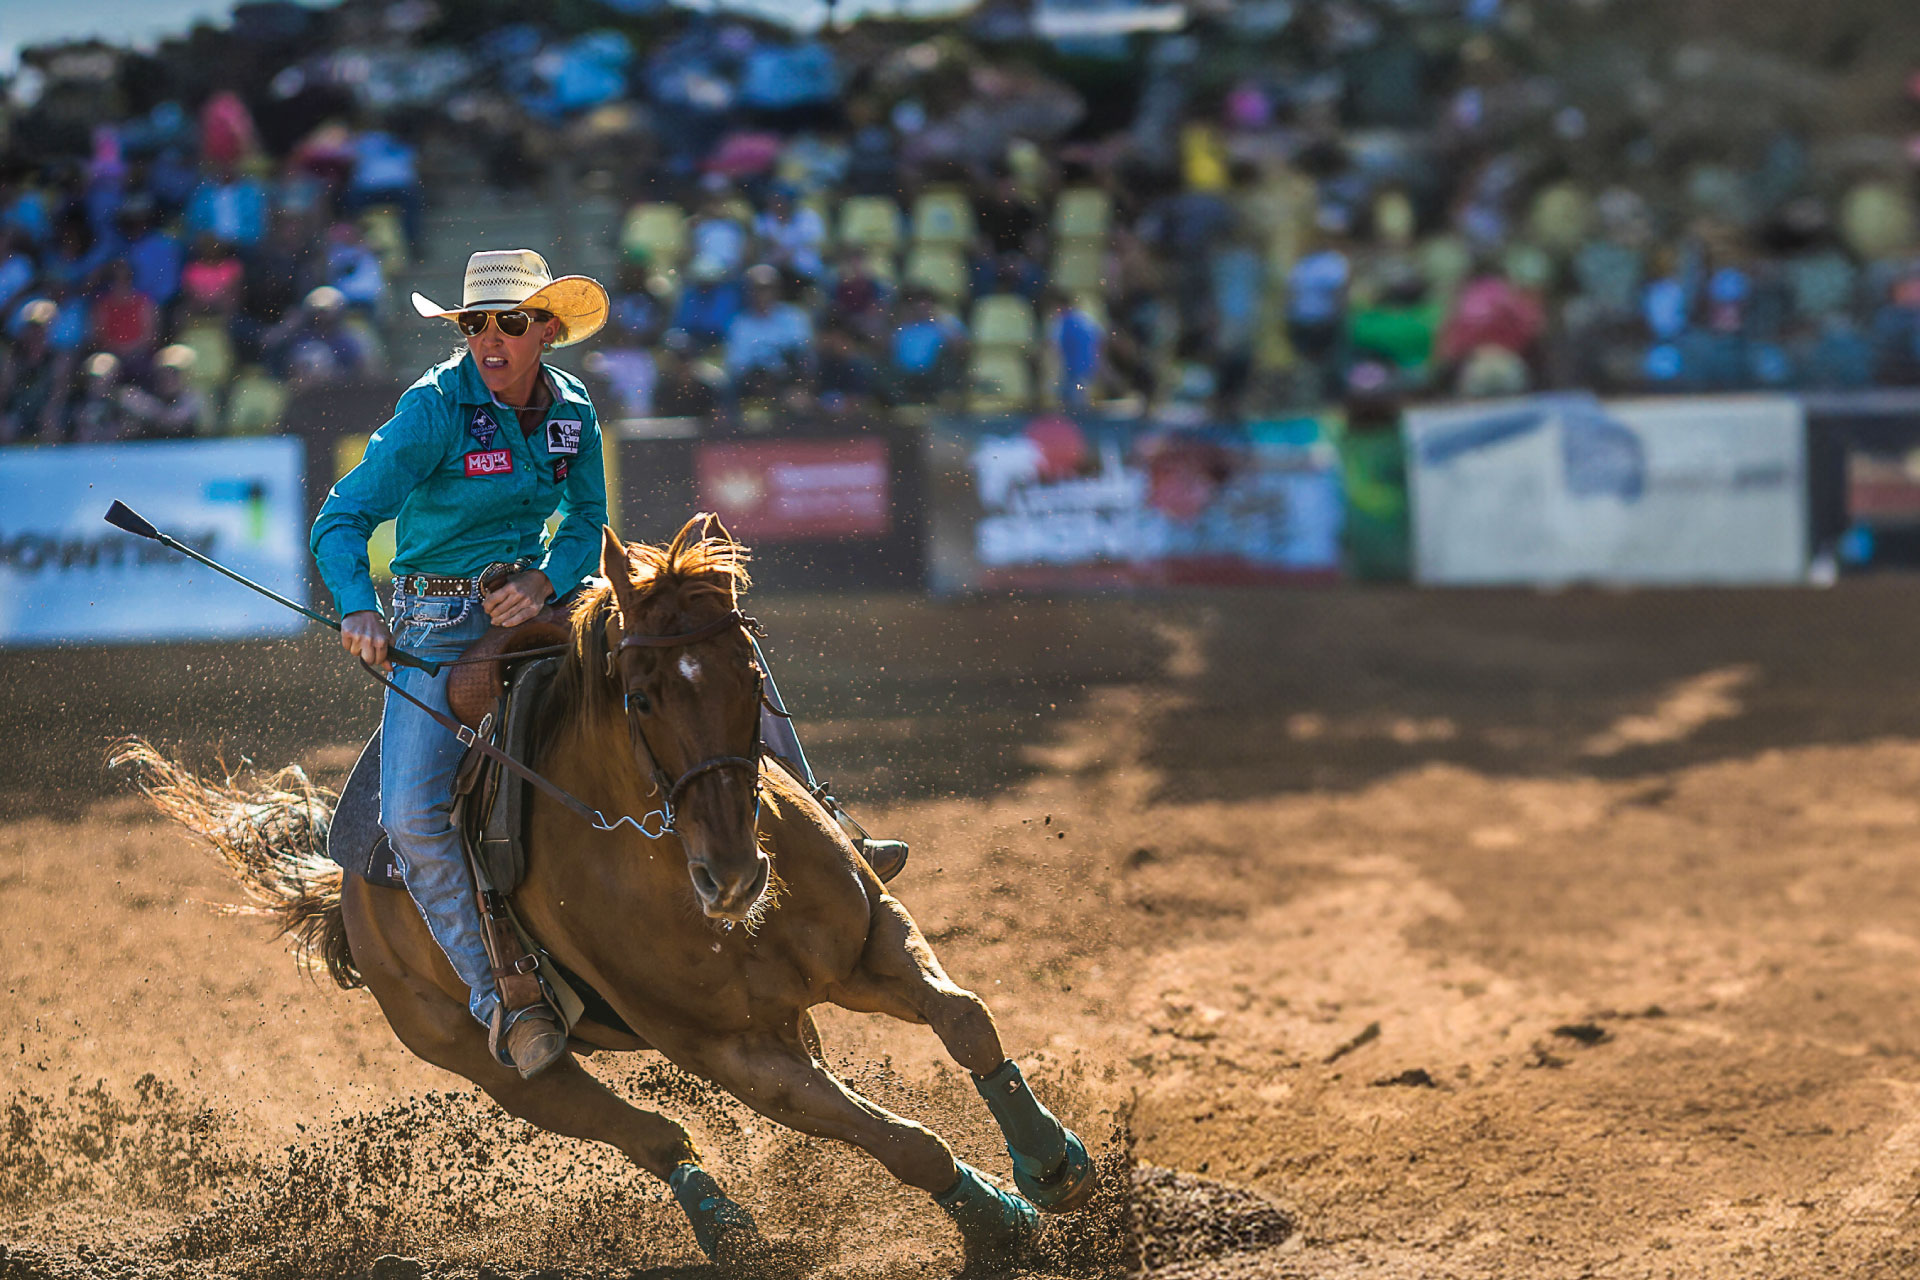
[723, 1230]
[996, 1226]
[1071, 1186]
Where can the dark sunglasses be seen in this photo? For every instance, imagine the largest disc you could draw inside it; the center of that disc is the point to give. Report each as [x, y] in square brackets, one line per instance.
[512, 323]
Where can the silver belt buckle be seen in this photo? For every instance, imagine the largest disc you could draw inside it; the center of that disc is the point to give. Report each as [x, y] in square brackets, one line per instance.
[494, 574]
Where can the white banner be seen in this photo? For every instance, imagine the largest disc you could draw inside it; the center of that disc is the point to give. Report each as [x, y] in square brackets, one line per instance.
[1558, 489]
[67, 575]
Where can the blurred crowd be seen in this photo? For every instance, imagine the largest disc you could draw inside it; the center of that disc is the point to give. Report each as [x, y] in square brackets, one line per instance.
[176, 279]
[1280, 205]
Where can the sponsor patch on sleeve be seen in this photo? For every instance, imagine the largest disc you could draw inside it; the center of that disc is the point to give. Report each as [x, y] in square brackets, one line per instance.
[560, 468]
[490, 462]
[563, 435]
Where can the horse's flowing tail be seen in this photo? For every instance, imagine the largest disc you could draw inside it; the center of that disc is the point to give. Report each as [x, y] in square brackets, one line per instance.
[273, 840]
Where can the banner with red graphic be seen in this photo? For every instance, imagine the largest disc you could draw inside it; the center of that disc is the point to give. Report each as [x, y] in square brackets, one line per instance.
[797, 490]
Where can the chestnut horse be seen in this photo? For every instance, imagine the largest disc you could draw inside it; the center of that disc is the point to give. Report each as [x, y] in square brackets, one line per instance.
[711, 942]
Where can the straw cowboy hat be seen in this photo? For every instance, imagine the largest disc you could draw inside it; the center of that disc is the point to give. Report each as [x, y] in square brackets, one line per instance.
[519, 279]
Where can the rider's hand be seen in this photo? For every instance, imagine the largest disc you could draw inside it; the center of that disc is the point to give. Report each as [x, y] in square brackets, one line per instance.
[364, 634]
[518, 599]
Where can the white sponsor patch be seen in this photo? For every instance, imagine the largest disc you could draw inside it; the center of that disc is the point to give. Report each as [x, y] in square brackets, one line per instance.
[563, 435]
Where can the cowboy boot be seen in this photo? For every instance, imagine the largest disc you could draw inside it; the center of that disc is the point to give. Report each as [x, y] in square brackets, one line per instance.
[536, 1041]
[886, 857]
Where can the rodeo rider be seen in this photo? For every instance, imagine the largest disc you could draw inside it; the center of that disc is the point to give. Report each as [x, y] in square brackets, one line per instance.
[478, 454]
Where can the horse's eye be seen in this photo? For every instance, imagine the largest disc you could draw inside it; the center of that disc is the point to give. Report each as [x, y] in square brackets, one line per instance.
[637, 700]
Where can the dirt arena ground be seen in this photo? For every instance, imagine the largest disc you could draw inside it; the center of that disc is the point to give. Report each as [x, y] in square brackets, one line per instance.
[1373, 933]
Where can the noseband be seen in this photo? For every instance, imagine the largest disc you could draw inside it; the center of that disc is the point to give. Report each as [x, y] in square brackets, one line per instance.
[671, 790]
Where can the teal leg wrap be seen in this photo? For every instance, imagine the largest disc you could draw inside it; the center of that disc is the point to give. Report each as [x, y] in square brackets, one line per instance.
[995, 1225]
[713, 1215]
[1050, 1164]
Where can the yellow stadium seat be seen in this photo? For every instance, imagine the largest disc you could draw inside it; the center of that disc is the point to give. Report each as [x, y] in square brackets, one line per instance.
[999, 380]
[255, 403]
[939, 268]
[658, 231]
[1082, 213]
[884, 267]
[1394, 219]
[1003, 320]
[1527, 265]
[385, 235]
[1079, 266]
[1094, 303]
[1446, 261]
[871, 221]
[943, 216]
[212, 356]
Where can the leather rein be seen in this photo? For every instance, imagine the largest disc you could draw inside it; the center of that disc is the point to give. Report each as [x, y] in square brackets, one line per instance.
[670, 792]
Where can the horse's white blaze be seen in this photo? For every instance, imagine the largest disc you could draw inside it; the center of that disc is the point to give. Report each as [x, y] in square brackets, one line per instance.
[689, 668]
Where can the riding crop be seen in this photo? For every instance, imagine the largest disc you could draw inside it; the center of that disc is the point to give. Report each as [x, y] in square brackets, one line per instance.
[122, 516]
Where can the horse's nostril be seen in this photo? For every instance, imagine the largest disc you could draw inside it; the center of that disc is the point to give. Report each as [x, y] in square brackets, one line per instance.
[704, 883]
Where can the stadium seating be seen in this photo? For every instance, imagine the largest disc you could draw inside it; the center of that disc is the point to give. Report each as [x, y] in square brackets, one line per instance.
[1003, 320]
[1445, 262]
[212, 356]
[939, 268]
[381, 227]
[1079, 266]
[255, 403]
[872, 222]
[1082, 213]
[999, 381]
[943, 216]
[656, 231]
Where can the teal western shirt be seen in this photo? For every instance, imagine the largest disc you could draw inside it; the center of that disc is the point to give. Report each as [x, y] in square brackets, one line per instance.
[467, 488]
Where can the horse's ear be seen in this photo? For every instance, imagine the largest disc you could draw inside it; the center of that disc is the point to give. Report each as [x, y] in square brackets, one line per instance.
[710, 523]
[617, 567]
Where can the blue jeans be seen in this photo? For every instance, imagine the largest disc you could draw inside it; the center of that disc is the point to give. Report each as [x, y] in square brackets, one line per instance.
[418, 760]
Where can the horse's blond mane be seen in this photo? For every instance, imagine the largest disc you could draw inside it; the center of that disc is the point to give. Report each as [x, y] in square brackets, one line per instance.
[695, 563]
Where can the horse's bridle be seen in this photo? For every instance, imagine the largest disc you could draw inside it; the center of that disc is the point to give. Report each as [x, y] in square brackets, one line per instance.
[671, 790]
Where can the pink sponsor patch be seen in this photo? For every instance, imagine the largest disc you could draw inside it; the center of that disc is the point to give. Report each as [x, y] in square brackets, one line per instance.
[492, 462]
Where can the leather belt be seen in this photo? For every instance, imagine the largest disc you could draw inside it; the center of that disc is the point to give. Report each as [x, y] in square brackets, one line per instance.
[433, 584]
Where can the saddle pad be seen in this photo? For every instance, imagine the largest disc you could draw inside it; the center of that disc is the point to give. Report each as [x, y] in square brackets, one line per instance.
[356, 840]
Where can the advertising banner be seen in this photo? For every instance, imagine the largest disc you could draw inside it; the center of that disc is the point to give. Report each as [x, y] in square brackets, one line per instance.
[1863, 452]
[66, 575]
[797, 490]
[1056, 501]
[1558, 489]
